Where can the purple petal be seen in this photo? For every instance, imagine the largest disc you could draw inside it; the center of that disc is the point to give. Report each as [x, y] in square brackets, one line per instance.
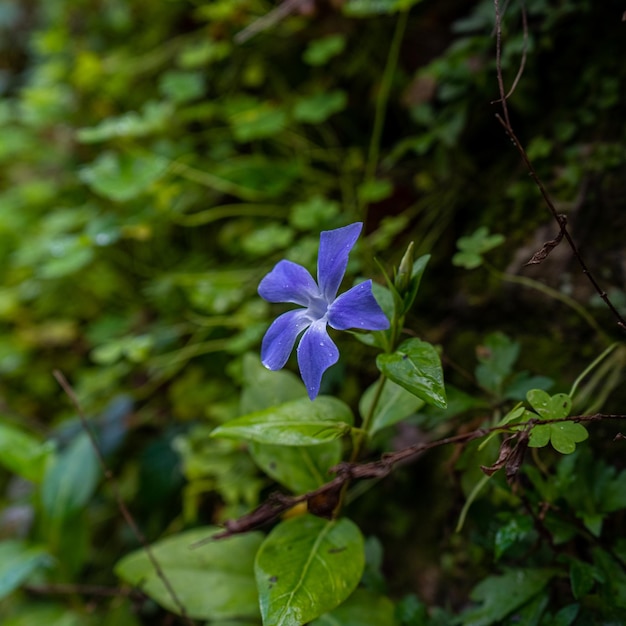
[357, 308]
[288, 282]
[332, 260]
[316, 353]
[281, 336]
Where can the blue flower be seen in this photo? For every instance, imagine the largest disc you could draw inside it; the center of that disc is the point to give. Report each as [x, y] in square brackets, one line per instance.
[290, 282]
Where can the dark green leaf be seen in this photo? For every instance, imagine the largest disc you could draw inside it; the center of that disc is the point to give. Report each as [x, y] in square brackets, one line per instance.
[306, 567]
[515, 530]
[581, 577]
[416, 366]
[501, 595]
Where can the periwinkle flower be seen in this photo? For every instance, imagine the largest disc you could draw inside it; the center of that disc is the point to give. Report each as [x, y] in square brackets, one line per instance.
[290, 282]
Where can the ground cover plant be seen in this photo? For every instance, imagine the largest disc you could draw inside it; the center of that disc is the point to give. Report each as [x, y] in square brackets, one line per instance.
[312, 312]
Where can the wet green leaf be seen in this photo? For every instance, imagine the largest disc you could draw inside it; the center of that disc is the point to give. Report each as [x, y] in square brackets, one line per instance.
[472, 248]
[563, 435]
[416, 366]
[306, 567]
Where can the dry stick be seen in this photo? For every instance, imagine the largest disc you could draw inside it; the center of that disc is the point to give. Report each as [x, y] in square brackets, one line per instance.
[506, 123]
[119, 500]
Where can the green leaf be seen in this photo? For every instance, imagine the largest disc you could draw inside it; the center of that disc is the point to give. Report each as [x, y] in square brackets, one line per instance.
[71, 480]
[23, 454]
[182, 87]
[251, 119]
[374, 190]
[306, 567]
[212, 581]
[320, 51]
[539, 436]
[496, 357]
[18, 561]
[123, 177]
[362, 608]
[515, 530]
[299, 468]
[395, 404]
[264, 388]
[416, 366]
[319, 107]
[472, 247]
[563, 435]
[296, 423]
[314, 213]
[501, 595]
[549, 407]
[582, 577]
[153, 118]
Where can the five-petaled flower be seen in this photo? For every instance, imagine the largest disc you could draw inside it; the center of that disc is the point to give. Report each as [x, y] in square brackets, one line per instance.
[290, 282]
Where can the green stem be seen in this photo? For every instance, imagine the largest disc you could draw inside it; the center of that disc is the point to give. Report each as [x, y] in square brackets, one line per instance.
[590, 367]
[383, 98]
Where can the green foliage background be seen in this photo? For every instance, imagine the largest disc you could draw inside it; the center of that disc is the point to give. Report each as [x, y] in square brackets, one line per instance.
[153, 168]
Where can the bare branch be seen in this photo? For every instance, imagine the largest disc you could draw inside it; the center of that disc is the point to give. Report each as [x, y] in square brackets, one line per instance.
[506, 123]
[510, 458]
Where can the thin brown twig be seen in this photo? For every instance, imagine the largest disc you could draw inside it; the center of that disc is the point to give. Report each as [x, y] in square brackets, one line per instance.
[506, 123]
[130, 520]
[522, 63]
[278, 503]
